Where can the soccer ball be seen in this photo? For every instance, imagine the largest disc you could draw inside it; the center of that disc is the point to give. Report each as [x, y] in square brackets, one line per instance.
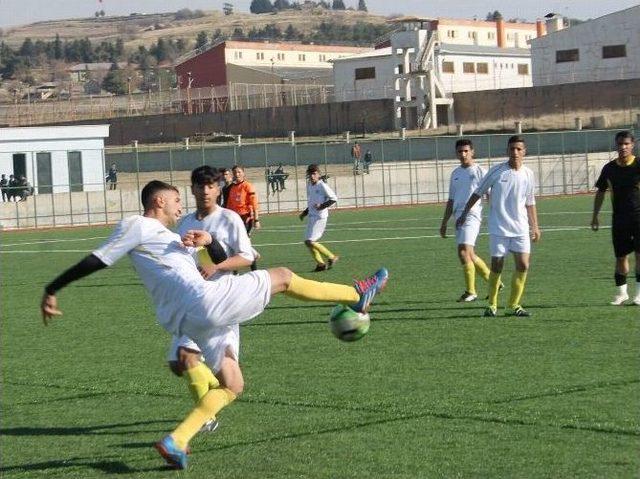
[348, 325]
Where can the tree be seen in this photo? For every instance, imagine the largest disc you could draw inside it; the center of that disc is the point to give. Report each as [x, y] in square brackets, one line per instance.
[101, 12]
[494, 16]
[281, 5]
[291, 33]
[115, 81]
[362, 6]
[201, 39]
[260, 6]
[227, 8]
[237, 33]
[338, 5]
[57, 47]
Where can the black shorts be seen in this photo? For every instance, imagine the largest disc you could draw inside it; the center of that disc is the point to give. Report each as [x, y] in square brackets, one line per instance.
[248, 223]
[626, 237]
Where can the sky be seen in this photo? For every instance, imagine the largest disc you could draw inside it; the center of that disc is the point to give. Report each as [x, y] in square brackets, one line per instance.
[19, 12]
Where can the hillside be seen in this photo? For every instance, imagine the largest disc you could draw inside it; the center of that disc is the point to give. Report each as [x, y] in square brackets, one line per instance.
[146, 29]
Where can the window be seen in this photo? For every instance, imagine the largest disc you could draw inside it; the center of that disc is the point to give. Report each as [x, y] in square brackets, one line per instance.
[260, 56]
[509, 36]
[237, 55]
[565, 56]
[452, 34]
[322, 58]
[491, 35]
[468, 67]
[302, 57]
[280, 56]
[74, 160]
[472, 35]
[614, 51]
[447, 67]
[482, 68]
[44, 174]
[523, 69]
[400, 69]
[365, 73]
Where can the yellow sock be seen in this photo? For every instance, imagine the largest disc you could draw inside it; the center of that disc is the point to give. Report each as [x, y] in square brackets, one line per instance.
[494, 284]
[518, 281]
[200, 379]
[317, 257]
[309, 290]
[323, 250]
[482, 268]
[210, 404]
[469, 277]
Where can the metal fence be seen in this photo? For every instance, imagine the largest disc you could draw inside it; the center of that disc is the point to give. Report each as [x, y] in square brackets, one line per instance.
[409, 171]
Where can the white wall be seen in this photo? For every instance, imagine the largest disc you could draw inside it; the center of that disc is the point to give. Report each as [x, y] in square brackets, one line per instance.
[347, 88]
[619, 28]
[502, 73]
[57, 141]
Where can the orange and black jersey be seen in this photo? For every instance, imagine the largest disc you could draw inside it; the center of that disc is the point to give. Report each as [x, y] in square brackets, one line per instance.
[243, 200]
[624, 182]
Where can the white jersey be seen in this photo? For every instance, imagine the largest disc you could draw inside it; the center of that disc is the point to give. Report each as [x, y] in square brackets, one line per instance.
[511, 191]
[318, 194]
[164, 264]
[463, 182]
[227, 228]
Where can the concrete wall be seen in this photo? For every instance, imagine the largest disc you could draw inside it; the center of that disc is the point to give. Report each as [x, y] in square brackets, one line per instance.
[499, 108]
[307, 120]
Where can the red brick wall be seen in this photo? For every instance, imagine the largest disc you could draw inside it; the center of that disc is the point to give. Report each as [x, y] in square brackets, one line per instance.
[207, 69]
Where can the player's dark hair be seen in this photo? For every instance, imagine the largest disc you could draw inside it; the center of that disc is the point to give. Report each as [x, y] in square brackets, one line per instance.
[224, 170]
[623, 135]
[150, 191]
[516, 139]
[464, 142]
[237, 167]
[205, 175]
[313, 168]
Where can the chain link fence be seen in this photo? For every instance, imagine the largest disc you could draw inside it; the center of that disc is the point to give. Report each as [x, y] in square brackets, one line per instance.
[397, 172]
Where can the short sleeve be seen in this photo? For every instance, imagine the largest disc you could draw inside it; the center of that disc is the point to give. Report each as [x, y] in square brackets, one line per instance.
[531, 190]
[328, 192]
[602, 184]
[452, 188]
[126, 236]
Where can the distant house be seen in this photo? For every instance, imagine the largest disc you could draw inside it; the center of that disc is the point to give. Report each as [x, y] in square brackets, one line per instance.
[81, 72]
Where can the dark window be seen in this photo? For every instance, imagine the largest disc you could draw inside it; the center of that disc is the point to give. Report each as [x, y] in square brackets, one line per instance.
[400, 69]
[74, 159]
[365, 73]
[19, 164]
[447, 67]
[564, 56]
[468, 67]
[523, 69]
[482, 68]
[614, 51]
[43, 173]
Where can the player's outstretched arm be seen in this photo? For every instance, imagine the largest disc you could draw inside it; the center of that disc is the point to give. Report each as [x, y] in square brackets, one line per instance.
[49, 303]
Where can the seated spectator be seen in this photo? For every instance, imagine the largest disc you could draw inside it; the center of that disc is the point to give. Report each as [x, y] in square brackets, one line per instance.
[25, 188]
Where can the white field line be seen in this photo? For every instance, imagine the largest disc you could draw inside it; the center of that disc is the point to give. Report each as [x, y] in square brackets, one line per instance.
[359, 240]
[334, 227]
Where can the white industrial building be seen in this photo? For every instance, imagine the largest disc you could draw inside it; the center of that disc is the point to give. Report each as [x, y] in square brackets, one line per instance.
[55, 159]
[605, 48]
[425, 61]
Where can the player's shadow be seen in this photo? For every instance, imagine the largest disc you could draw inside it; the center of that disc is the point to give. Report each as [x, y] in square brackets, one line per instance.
[106, 429]
[106, 466]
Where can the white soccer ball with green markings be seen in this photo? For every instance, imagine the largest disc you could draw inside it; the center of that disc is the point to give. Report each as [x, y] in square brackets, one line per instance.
[347, 324]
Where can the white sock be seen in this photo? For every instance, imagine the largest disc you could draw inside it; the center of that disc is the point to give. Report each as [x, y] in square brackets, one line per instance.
[622, 290]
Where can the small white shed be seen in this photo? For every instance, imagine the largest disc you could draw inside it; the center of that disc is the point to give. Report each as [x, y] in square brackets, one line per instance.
[55, 159]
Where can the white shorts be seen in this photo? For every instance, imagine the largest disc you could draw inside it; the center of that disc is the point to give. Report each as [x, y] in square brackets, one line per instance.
[315, 228]
[501, 245]
[469, 231]
[227, 301]
[224, 339]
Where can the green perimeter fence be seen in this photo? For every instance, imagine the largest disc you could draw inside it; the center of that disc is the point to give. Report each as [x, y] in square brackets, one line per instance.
[409, 171]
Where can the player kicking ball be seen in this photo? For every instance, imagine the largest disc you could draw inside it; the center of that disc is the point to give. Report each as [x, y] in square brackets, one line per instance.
[320, 197]
[186, 303]
[463, 182]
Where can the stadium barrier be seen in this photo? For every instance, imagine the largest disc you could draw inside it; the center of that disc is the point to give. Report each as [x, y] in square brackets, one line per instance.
[411, 171]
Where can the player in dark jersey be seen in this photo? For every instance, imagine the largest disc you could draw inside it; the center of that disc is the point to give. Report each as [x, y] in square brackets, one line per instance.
[622, 176]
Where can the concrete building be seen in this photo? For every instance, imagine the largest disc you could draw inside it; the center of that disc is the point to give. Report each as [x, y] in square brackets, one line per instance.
[605, 48]
[55, 159]
[227, 62]
[423, 62]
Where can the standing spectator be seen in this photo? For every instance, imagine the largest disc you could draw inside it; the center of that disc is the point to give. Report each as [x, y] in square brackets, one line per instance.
[14, 187]
[227, 178]
[280, 176]
[25, 188]
[112, 177]
[272, 182]
[4, 186]
[243, 199]
[622, 177]
[356, 153]
[368, 159]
